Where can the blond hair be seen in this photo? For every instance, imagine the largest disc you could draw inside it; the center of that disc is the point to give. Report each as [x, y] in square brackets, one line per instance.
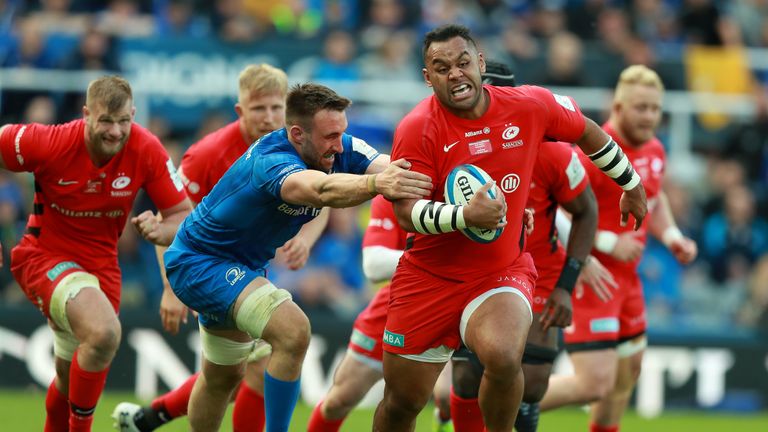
[636, 74]
[109, 91]
[263, 79]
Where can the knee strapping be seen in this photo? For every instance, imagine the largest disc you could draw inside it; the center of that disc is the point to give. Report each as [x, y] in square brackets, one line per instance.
[69, 286]
[631, 347]
[223, 351]
[64, 345]
[257, 308]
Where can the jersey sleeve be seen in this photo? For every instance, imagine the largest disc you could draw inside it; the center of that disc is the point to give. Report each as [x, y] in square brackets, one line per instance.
[413, 141]
[163, 184]
[25, 147]
[357, 155]
[565, 122]
[270, 172]
[570, 177]
[383, 229]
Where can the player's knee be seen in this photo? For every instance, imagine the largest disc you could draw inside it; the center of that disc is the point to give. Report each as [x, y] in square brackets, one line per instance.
[405, 404]
[534, 389]
[103, 340]
[225, 378]
[294, 339]
[501, 361]
[598, 385]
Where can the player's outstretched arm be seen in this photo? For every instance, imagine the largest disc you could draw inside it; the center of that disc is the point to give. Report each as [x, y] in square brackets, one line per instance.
[161, 229]
[606, 154]
[318, 189]
[662, 225]
[435, 217]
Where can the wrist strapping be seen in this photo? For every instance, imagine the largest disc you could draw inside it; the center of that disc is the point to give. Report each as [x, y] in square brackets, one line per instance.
[372, 184]
[670, 235]
[615, 164]
[434, 217]
[569, 274]
[606, 241]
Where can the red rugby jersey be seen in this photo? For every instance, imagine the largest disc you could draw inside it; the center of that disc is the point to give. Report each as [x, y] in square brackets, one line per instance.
[208, 159]
[80, 209]
[504, 142]
[558, 177]
[649, 160]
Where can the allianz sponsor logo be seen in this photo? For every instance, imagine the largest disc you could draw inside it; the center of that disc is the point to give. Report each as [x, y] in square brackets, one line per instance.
[486, 130]
[233, 275]
[298, 210]
[87, 213]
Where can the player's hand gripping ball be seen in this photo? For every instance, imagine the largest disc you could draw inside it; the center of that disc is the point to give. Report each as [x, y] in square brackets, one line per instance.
[460, 186]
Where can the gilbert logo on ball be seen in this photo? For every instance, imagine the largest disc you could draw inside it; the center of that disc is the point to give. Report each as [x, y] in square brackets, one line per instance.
[460, 186]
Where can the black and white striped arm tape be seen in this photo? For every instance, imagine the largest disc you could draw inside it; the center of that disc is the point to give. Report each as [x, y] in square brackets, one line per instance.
[434, 217]
[615, 165]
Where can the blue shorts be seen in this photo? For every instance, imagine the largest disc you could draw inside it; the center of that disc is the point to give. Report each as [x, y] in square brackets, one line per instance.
[207, 284]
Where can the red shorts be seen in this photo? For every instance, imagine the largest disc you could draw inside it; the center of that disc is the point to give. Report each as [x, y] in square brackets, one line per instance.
[38, 272]
[369, 327]
[598, 324]
[425, 310]
[545, 284]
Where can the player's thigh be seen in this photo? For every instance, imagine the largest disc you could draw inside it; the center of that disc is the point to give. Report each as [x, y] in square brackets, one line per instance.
[497, 327]
[409, 383]
[353, 378]
[599, 367]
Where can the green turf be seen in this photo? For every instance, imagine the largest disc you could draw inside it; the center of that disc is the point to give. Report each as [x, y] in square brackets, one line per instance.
[24, 411]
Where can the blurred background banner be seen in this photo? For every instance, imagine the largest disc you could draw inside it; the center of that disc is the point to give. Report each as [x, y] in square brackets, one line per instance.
[718, 372]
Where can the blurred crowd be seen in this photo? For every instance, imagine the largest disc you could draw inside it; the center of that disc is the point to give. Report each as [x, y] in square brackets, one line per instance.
[696, 45]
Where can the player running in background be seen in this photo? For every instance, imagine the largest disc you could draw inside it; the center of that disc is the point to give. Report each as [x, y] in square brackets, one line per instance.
[87, 174]
[558, 178]
[447, 288]
[217, 262]
[607, 340]
[260, 110]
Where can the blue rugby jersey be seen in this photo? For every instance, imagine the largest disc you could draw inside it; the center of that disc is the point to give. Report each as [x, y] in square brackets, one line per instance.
[243, 218]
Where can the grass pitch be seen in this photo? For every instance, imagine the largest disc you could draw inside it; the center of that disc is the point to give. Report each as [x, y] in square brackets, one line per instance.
[24, 411]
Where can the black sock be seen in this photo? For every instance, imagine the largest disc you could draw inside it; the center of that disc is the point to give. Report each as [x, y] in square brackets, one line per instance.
[149, 419]
[527, 417]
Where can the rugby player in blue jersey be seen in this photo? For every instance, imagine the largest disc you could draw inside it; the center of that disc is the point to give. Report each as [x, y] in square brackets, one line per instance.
[217, 262]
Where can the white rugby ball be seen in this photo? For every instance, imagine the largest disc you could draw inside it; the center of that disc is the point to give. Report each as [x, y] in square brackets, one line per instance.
[460, 186]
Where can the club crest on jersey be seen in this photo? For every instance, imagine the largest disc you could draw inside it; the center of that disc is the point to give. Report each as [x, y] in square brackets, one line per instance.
[121, 182]
[509, 183]
[233, 275]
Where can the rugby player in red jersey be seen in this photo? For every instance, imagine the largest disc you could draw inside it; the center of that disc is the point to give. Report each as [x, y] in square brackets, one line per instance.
[607, 339]
[87, 174]
[448, 289]
[558, 177]
[260, 110]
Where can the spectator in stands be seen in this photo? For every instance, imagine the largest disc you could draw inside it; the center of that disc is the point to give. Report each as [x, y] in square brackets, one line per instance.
[338, 61]
[125, 18]
[175, 18]
[699, 20]
[754, 311]
[749, 142]
[564, 61]
[735, 238]
[393, 60]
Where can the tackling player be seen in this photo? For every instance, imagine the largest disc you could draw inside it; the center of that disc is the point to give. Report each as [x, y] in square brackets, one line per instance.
[217, 262]
[260, 110]
[87, 174]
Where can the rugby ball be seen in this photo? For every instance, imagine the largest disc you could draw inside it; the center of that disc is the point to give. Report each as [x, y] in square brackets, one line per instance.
[460, 186]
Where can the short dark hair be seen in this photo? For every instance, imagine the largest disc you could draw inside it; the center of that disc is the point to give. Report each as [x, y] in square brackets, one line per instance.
[444, 33]
[305, 100]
